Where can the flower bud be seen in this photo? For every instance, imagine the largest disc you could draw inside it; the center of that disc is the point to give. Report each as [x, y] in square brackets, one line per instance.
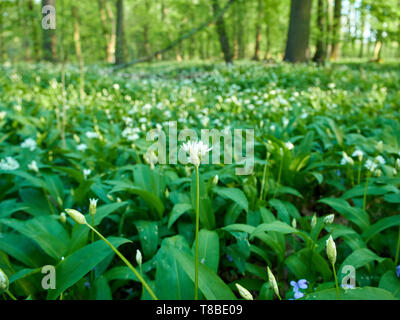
[329, 219]
[244, 293]
[314, 221]
[76, 216]
[215, 179]
[379, 146]
[272, 281]
[294, 223]
[139, 257]
[63, 217]
[92, 206]
[331, 250]
[4, 283]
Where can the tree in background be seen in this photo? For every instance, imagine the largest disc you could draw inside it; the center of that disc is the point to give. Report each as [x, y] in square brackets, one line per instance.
[49, 41]
[336, 31]
[119, 55]
[223, 36]
[299, 31]
[320, 53]
[107, 23]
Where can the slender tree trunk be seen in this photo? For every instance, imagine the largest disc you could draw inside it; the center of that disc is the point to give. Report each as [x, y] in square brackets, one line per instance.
[362, 29]
[268, 37]
[378, 46]
[33, 26]
[329, 17]
[78, 50]
[320, 54]
[49, 38]
[146, 28]
[299, 31]
[256, 56]
[119, 56]
[223, 37]
[337, 14]
[2, 50]
[109, 37]
[240, 33]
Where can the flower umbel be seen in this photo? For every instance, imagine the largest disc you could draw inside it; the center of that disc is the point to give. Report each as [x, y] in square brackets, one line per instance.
[196, 150]
[331, 250]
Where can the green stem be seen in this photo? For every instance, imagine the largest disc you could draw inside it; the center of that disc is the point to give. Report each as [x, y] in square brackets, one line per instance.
[279, 176]
[144, 283]
[397, 250]
[359, 174]
[336, 281]
[196, 271]
[365, 191]
[11, 295]
[92, 272]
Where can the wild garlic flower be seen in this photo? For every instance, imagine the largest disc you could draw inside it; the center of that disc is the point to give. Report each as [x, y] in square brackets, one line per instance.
[346, 159]
[358, 154]
[244, 293]
[329, 219]
[151, 158]
[4, 283]
[196, 150]
[86, 173]
[371, 165]
[92, 135]
[331, 250]
[289, 145]
[93, 206]
[9, 164]
[139, 258]
[272, 281]
[82, 147]
[33, 166]
[29, 144]
[76, 216]
[380, 160]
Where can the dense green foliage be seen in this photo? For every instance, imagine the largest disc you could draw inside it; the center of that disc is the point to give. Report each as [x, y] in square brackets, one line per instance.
[304, 118]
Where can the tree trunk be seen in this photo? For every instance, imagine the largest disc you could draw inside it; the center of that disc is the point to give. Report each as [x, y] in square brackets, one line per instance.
[320, 54]
[299, 31]
[337, 14]
[256, 56]
[268, 37]
[2, 50]
[362, 29]
[378, 47]
[33, 26]
[223, 37]
[49, 37]
[240, 33]
[109, 37]
[119, 55]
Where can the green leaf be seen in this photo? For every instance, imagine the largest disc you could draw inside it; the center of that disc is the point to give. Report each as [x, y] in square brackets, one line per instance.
[77, 265]
[148, 236]
[234, 194]
[105, 210]
[178, 210]
[378, 227]
[353, 214]
[208, 249]
[391, 283]
[210, 284]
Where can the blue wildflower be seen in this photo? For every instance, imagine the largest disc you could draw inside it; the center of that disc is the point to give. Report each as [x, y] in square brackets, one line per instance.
[398, 271]
[301, 284]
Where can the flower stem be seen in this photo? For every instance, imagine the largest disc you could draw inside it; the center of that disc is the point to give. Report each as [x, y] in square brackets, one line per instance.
[359, 174]
[144, 283]
[398, 249]
[11, 295]
[336, 281]
[196, 271]
[92, 272]
[365, 191]
[279, 176]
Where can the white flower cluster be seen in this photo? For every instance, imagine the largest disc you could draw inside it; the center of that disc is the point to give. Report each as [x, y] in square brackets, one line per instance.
[131, 134]
[9, 164]
[92, 135]
[372, 164]
[196, 151]
[29, 144]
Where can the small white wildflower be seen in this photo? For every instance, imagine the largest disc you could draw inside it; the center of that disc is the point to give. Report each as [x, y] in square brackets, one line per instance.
[359, 154]
[29, 144]
[93, 206]
[370, 165]
[139, 257]
[196, 150]
[151, 158]
[329, 219]
[82, 147]
[380, 160]
[346, 159]
[289, 145]
[9, 164]
[2, 115]
[92, 135]
[86, 172]
[33, 166]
